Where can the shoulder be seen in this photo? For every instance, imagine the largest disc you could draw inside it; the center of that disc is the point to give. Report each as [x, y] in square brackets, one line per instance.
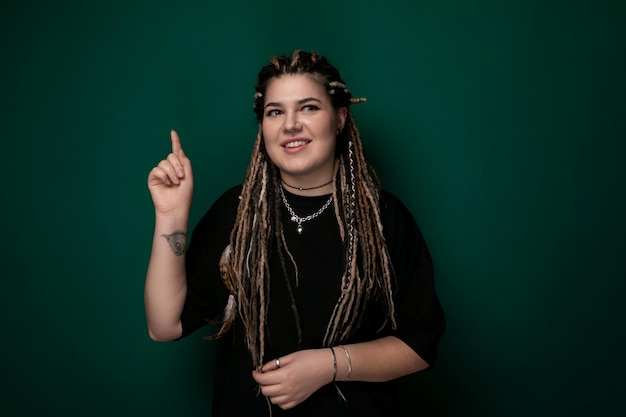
[227, 202]
[392, 208]
[230, 196]
[389, 200]
[399, 224]
[223, 211]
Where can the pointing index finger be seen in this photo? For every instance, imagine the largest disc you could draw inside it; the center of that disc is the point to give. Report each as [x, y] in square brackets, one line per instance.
[176, 146]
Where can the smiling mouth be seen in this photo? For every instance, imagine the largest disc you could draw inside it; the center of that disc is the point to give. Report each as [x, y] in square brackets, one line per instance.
[295, 144]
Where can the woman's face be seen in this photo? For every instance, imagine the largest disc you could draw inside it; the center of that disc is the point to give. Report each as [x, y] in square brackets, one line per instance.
[300, 129]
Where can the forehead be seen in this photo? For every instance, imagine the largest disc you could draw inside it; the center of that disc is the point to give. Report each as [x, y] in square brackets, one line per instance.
[294, 87]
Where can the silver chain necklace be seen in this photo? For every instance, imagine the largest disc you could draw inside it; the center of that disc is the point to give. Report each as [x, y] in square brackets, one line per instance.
[297, 219]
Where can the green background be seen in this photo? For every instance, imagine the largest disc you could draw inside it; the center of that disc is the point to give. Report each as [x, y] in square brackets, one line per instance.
[501, 124]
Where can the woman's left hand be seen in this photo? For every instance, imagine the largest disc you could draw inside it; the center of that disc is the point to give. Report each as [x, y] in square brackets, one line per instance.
[297, 376]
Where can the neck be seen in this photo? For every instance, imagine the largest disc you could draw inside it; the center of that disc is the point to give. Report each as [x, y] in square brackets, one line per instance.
[319, 189]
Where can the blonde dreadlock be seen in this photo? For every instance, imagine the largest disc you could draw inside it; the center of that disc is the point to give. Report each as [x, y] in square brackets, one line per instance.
[258, 227]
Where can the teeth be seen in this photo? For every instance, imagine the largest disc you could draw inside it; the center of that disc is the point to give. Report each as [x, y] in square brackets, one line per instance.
[295, 144]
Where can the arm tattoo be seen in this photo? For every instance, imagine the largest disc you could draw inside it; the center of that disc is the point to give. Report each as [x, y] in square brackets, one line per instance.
[177, 242]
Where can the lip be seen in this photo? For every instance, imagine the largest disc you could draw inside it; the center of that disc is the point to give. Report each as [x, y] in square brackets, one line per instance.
[284, 143]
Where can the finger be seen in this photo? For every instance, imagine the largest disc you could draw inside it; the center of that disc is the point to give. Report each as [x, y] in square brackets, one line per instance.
[157, 175]
[169, 170]
[260, 377]
[274, 392]
[280, 400]
[283, 401]
[288, 405]
[187, 171]
[270, 366]
[176, 164]
[176, 145]
[267, 378]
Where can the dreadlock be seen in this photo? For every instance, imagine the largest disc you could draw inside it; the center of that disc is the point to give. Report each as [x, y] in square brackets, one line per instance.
[258, 229]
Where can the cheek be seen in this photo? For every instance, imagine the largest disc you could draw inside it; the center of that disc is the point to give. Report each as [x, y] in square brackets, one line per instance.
[266, 129]
[330, 127]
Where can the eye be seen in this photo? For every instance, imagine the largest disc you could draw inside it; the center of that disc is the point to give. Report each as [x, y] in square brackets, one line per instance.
[273, 112]
[310, 107]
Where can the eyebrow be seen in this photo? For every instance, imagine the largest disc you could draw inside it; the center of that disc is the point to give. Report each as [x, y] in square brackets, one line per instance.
[299, 102]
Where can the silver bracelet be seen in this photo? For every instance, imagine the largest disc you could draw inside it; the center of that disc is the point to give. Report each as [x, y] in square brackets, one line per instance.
[345, 350]
[334, 364]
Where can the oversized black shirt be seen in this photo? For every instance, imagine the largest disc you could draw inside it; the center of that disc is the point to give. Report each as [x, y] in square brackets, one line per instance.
[319, 255]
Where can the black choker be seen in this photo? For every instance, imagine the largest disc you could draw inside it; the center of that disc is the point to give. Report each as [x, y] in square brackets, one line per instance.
[306, 189]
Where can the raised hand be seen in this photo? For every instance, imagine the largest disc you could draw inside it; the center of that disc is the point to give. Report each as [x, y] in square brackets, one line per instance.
[171, 181]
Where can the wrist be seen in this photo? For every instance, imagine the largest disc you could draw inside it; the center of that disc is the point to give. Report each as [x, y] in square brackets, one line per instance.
[335, 372]
[171, 221]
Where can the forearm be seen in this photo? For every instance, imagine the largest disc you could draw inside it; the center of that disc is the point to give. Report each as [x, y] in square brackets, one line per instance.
[291, 379]
[377, 360]
[166, 283]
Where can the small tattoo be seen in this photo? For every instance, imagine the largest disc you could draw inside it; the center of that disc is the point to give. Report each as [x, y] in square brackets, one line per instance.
[177, 242]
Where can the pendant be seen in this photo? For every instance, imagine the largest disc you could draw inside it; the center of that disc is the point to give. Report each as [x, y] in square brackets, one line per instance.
[299, 229]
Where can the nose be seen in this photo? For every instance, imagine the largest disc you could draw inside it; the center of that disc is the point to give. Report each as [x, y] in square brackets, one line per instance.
[292, 124]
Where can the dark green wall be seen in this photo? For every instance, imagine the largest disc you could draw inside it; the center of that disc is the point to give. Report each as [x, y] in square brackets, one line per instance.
[501, 124]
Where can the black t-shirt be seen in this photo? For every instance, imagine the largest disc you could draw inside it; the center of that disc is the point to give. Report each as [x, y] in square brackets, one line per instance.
[318, 254]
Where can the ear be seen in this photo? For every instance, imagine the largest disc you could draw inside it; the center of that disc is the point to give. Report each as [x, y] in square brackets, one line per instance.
[342, 113]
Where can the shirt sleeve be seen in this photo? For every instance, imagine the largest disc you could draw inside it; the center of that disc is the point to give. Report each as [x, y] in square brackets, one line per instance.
[419, 314]
[206, 295]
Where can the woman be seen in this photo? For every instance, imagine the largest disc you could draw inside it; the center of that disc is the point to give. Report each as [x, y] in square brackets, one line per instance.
[321, 282]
